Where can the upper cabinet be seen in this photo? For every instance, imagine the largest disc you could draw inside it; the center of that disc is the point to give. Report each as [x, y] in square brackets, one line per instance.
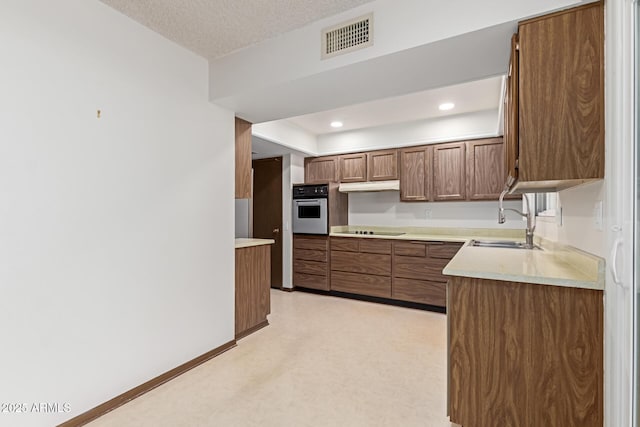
[321, 169]
[353, 167]
[449, 173]
[382, 165]
[485, 174]
[243, 159]
[415, 174]
[559, 67]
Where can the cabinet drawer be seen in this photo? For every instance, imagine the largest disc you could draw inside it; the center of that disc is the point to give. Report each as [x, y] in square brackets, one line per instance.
[361, 263]
[375, 246]
[418, 249]
[420, 268]
[311, 281]
[310, 255]
[422, 291]
[310, 242]
[348, 244]
[444, 250]
[363, 284]
[310, 267]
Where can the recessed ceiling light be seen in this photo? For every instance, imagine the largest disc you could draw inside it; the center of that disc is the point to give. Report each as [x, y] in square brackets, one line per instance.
[336, 124]
[446, 106]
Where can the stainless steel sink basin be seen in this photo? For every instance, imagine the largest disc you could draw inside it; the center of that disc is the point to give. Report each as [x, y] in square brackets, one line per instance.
[501, 244]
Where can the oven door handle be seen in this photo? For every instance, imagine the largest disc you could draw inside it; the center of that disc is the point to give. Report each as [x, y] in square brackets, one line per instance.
[304, 202]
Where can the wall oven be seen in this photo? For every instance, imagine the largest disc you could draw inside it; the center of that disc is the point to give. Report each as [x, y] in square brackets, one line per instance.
[310, 209]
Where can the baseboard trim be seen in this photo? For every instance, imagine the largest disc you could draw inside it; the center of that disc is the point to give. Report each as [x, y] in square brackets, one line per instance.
[138, 391]
[282, 288]
[252, 329]
[387, 301]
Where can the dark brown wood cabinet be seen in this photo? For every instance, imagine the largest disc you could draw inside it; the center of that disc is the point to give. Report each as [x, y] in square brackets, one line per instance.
[382, 165]
[253, 283]
[486, 175]
[449, 173]
[524, 354]
[353, 167]
[560, 99]
[416, 171]
[361, 266]
[311, 261]
[511, 114]
[243, 159]
[417, 271]
[321, 169]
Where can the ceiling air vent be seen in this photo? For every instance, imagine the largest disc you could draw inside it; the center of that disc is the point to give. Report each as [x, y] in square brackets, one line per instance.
[347, 36]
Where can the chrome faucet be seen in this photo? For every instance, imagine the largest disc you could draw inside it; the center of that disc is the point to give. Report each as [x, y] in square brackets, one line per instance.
[531, 217]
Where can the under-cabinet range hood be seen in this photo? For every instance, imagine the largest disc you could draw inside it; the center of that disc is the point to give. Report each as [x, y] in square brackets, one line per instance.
[352, 187]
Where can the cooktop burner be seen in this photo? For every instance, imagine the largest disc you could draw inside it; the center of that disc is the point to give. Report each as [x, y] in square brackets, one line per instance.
[377, 233]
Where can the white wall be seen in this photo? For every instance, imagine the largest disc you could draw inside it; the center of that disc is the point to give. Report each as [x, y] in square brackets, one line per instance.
[385, 209]
[116, 234]
[578, 226]
[481, 124]
[292, 173]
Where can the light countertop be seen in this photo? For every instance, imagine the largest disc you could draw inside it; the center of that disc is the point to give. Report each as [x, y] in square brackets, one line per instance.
[246, 243]
[555, 264]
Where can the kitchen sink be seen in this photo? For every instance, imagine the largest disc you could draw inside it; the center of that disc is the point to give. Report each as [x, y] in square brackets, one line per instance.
[501, 244]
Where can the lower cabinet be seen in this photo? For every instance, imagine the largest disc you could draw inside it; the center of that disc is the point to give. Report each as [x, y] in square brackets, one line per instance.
[253, 284]
[417, 271]
[361, 266]
[522, 354]
[396, 269]
[311, 261]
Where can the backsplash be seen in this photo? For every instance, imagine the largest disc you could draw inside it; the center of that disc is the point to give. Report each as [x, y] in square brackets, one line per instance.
[578, 227]
[385, 209]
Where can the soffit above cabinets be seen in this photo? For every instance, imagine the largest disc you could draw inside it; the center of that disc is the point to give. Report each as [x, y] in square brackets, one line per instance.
[480, 95]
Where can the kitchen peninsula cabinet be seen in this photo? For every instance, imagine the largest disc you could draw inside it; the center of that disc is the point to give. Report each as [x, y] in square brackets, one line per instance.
[353, 167]
[253, 284]
[311, 261]
[415, 174]
[382, 165]
[243, 159]
[321, 169]
[449, 173]
[524, 354]
[560, 98]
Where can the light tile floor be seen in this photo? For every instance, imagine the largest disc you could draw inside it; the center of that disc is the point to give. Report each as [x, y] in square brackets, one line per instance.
[323, 361]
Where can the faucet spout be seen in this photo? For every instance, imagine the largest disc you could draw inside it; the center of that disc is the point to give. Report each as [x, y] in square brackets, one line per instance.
[531, 217]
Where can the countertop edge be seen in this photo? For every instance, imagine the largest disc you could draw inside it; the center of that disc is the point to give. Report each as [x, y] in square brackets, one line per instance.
[247, 243]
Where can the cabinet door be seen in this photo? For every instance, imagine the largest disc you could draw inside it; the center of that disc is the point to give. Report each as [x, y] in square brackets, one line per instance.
[485, 169]
[415, 174]
[382, 165]
[321, 169]
[561, 96]
[353, 167]
[449, 174]
[243, 159]
[511, 113]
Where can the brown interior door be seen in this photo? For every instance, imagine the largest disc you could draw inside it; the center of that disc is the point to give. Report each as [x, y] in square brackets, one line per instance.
[267, 210]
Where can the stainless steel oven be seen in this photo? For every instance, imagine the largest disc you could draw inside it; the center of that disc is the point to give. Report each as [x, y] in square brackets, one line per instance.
[310, 209]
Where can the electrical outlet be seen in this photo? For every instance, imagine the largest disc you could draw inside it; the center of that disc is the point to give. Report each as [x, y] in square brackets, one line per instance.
[598, 214]
[428, 213]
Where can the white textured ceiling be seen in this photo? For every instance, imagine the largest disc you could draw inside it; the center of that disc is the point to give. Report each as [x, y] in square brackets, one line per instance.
[468, 97]
[213, 28]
